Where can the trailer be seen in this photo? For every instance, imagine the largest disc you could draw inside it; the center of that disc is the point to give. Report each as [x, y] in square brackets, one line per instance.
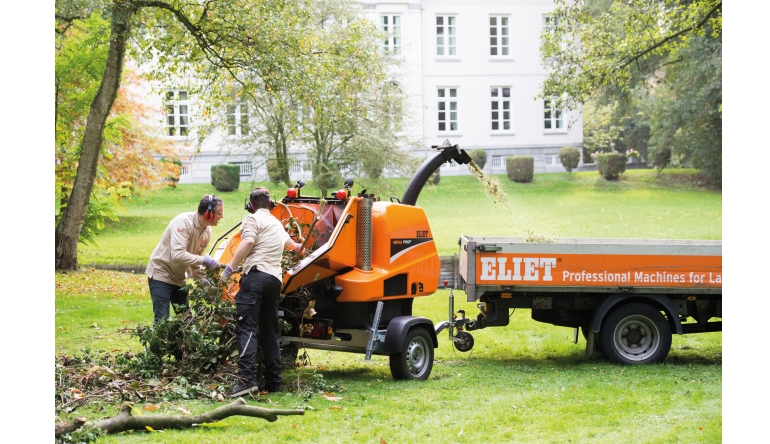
[626, 295]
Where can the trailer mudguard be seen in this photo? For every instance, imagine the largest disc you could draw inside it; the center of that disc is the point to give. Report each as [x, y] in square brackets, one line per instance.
[615, 299]
[399, 327]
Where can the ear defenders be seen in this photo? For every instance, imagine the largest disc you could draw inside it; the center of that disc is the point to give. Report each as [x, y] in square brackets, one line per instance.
[250, 208]
[209, 214]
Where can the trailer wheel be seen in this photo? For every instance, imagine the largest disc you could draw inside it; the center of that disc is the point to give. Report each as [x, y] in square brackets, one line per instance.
[467, 343]
[415, 360]
[635, 334]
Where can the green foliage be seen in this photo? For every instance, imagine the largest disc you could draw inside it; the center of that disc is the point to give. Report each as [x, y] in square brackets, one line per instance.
[226, 177]
[99, 211]
[570, 158]
[274, 173]
[611, 165]
[480, 157]
[195, 342]
[661, 158]
[173, 180]
[520, 168]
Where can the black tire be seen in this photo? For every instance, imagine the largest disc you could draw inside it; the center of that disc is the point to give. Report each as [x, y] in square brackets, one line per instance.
[467, 343]
[635, 334]
[415, 360]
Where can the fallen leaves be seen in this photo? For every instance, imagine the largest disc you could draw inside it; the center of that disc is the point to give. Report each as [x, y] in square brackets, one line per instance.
[330, 397]
[151, 407]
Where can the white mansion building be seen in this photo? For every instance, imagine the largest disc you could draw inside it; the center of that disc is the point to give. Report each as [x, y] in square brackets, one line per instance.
[470, 71]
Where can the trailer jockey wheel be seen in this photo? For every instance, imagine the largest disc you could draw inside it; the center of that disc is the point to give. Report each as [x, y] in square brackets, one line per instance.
[467, 341]
[415, 360]
[636, 334]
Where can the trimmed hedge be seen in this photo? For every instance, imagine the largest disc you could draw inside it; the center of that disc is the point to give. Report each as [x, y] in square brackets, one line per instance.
[520, 168]
[479, 157]
[570, 158]
[226, 177]
[611, 165]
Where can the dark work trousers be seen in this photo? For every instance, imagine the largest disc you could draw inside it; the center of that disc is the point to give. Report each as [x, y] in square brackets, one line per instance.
[164, 294]
[256, 305]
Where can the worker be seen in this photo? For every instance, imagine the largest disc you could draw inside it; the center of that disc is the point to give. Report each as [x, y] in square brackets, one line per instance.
[181, 249]
[263, 240]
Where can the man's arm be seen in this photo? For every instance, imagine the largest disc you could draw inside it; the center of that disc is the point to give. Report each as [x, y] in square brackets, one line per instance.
[241, 252]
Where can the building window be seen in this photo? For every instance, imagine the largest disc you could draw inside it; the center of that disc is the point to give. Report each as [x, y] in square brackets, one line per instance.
[548, 22]
[450, 164]
[498, 161]
[185, 171]
[296, 168]
[446, 35]
[391, 26]
[238, 119]
[245, 167]
[501, 108]
[447, 109]
[499, 37]
[552, 159]
[177, 113]
[553, 117]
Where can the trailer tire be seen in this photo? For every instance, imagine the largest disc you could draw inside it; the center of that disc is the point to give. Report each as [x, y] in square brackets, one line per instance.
[415, 360]
[635, 334]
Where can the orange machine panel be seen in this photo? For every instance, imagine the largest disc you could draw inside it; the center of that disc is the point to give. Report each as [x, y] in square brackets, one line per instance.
[599, 270]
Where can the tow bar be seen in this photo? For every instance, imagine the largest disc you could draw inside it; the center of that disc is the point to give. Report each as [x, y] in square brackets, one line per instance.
[463, 341]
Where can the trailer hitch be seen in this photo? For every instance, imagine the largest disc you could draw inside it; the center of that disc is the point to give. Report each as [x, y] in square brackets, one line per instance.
[463, 341]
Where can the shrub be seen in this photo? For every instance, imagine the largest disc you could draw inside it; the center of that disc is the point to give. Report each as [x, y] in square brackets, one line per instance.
[520, 168]
[479, 157]
[226, 177]
[173, 179]
[435, 178]
[273, 173]
[570, 158]
[611, 165]
[662, 158]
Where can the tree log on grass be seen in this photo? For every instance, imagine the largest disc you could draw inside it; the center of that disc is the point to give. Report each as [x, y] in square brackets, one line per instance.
[125, 421]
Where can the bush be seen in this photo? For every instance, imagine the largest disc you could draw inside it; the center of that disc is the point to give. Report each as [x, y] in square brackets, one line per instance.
[479, 157]
[520, 168]
[570, 158]
[273, 173]
[435, 178]
[662, 158]
[173, 179]
[226, 177]
[611, 165]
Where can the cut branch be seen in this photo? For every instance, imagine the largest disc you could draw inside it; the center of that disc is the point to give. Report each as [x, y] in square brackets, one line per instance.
[125, 421]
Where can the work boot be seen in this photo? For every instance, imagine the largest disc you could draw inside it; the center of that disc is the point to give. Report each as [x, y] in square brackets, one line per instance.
[273, 388]
[241, 389]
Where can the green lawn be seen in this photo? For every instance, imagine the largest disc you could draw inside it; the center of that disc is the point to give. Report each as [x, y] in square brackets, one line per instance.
[640, 205]
[526, 382]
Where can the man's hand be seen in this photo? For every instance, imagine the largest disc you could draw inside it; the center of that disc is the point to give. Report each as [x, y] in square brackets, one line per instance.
[226, 273]
[210, 262]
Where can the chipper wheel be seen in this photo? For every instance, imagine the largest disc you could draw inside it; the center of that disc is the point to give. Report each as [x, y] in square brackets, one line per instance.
[415, 360]
[636, 334]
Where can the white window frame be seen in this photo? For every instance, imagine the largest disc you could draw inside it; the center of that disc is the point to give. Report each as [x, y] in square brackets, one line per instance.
[547, 19]
[185, 169]
[297, 168]
[497, 104]
[246, 168]
[500, 36]
[498, 162]
[391, 24]
[448, 108]
[177, 119]
[450, 164]
[238, 119]
[446, 35]
[552, 123]
[552, 160]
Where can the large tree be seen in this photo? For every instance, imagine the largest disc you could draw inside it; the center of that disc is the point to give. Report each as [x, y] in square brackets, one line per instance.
[207, 39]
[628, 54]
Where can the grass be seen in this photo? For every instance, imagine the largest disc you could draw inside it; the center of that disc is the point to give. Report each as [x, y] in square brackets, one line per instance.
[523, 383]
[640, 205]
[526, 382]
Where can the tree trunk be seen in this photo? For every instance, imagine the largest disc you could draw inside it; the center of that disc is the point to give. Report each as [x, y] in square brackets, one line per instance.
[68, 230]
[124, 421]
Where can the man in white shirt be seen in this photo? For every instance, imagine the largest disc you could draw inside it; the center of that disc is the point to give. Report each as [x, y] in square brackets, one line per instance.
[181, 248]
[263, 240]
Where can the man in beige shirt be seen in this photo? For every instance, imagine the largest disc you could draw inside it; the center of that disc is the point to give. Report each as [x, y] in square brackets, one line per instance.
[181, 249]
[263, 240]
